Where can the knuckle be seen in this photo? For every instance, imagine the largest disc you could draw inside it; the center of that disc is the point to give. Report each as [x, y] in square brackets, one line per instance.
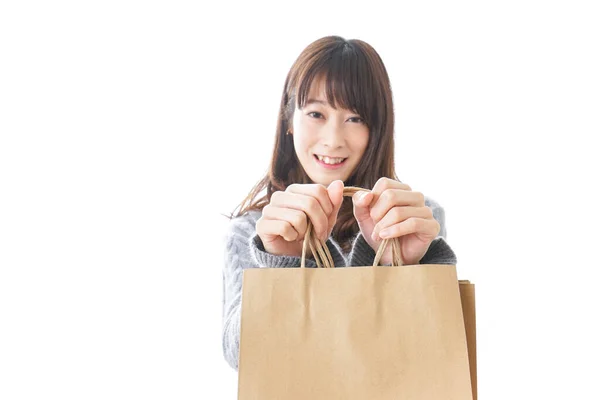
[261, 227]
[284, 233]
[414, 223]
[403, 185]
[291, 187]
[382, 180]
[276, 195]
[299, 219]
[378, 185]
[313, 204]
[391, 183]
[289, 231]
[387, 195]
[398, 212]
[321, 193]
[428, 212]
[374, 215]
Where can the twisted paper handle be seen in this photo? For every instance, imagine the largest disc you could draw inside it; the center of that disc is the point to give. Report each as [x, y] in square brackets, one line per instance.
[321, 252]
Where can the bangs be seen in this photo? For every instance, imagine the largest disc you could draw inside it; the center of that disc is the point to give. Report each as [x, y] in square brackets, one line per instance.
[348, 81]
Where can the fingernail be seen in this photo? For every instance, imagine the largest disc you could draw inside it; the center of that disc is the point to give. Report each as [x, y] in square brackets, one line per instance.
[374, 237]
[363, 196]
[384, 234]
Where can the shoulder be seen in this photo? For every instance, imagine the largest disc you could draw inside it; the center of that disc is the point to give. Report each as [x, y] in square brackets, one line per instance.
[243, 226]
[236, 241]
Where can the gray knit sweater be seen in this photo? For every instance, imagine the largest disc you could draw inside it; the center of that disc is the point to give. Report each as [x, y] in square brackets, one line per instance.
[244, 249]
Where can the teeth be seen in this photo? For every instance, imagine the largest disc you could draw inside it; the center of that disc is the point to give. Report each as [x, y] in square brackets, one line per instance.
[330, 161]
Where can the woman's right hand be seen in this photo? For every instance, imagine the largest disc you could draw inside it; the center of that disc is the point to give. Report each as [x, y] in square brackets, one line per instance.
[283, 223]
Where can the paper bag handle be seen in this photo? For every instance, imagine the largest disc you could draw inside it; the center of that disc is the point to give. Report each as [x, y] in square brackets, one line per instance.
[321, 252]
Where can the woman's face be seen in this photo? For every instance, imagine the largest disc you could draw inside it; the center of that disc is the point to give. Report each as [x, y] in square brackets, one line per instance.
[329, 143]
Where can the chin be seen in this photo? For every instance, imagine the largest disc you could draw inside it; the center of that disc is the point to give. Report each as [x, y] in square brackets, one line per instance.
[327, 181]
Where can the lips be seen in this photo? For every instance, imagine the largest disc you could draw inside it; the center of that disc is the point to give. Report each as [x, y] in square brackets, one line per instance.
[330, 166]
[330, 159]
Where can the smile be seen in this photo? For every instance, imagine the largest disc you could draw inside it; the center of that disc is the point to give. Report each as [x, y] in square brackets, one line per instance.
[330, 163]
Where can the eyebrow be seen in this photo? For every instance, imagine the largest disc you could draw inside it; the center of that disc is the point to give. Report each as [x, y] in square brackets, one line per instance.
[312, 101]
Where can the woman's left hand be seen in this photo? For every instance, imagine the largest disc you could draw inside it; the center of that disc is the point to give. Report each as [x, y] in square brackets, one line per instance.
[393, 210]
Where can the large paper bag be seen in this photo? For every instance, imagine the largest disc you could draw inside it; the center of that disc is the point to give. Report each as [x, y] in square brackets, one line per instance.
[467, 298]
[368, 333]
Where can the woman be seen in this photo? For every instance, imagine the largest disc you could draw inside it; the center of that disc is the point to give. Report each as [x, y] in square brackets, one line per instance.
[335, 128]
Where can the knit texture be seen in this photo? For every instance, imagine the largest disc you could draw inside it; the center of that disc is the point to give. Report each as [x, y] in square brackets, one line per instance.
[244, 249]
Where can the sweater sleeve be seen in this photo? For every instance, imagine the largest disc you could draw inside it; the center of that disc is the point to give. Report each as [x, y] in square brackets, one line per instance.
[266, 259]
[244, 249]
[439, 251]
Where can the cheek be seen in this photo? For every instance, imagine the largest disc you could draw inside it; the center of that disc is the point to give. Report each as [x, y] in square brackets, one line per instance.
[361, 143]
[301, 144]
[304, 136]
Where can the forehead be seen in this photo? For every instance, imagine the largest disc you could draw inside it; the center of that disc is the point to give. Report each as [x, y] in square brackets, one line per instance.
[317, 89]
[338, 94]
[317, 94]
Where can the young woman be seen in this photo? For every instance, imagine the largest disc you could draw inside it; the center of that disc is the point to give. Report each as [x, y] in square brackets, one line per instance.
[335, 128]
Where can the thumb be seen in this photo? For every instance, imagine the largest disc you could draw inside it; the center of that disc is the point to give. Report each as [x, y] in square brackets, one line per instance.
[362, 210]
[336, 195]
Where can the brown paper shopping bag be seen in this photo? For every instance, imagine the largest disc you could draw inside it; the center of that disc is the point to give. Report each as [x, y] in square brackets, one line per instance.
[368, 333]
[467, 298]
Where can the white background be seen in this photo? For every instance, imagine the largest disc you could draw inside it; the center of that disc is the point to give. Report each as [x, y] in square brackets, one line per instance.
[127, 128]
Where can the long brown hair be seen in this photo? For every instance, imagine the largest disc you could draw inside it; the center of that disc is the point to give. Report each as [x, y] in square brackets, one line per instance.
[355, 79]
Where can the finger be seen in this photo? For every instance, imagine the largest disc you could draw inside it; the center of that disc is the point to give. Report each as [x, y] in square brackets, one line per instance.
[399, 214]
[361, 206]
[307, 203]
[384, 184]
[391, 198]
[296, 218]
[429, 227]
[315, 190]
[277, 227]
[336, 196]
[361, 209]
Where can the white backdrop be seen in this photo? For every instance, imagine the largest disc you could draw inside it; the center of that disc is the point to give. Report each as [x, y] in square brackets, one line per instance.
[128, 127]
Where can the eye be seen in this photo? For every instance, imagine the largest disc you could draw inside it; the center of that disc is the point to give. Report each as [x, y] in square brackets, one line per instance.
[318, 114]
[360, 120]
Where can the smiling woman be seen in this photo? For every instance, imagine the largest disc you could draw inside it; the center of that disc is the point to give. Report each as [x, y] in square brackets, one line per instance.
[335, 129]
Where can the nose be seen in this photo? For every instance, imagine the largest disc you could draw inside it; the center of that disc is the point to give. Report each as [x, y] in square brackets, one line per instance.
[333, 135]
